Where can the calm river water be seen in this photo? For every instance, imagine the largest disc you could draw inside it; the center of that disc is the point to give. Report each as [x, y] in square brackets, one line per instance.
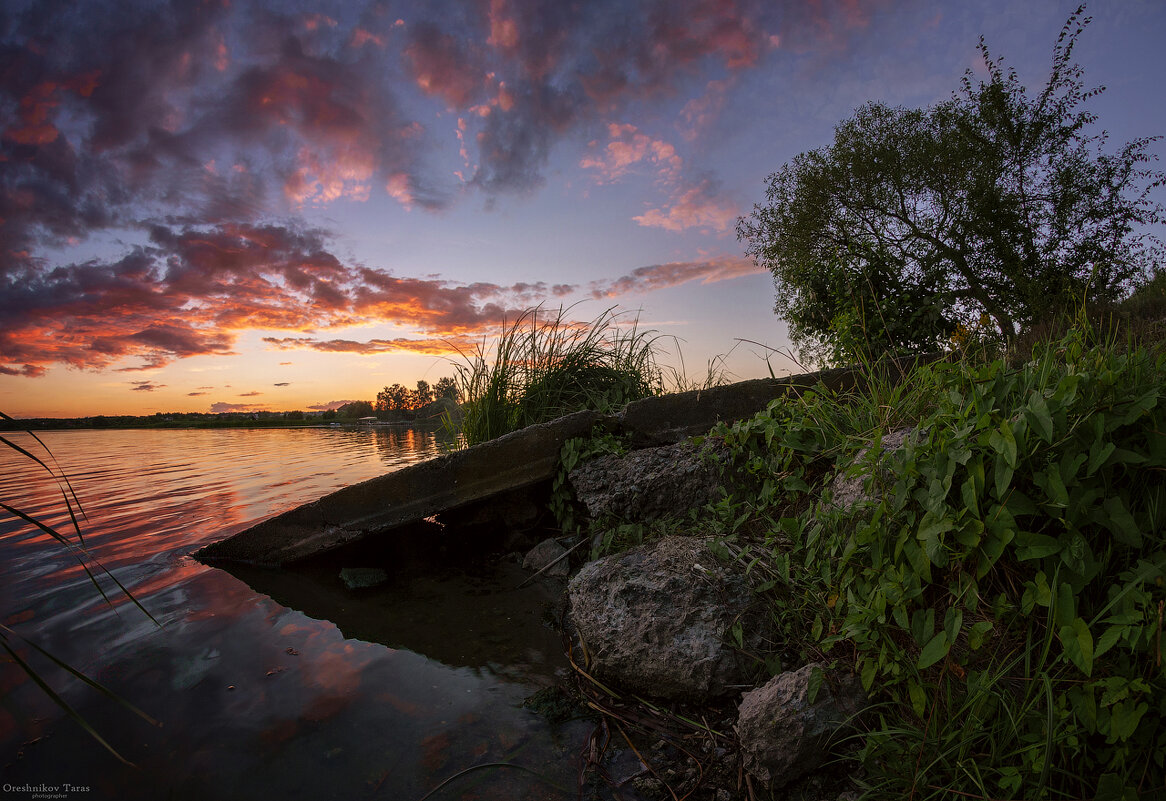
[379, 694]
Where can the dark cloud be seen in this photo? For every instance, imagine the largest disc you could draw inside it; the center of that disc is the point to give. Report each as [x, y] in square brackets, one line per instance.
[145, 386]
[282, 384]
[444, 65]
[251, 394]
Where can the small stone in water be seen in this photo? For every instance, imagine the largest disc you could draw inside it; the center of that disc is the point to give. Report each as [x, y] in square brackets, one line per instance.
[358, 578]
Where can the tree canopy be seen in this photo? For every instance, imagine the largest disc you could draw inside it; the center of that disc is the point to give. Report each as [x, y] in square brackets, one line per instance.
[992, 209]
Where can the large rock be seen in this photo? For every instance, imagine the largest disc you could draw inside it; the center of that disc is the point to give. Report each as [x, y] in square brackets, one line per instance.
[548, 557]
[848, 489]
[647, 484]
[783, 734]
[657, 619]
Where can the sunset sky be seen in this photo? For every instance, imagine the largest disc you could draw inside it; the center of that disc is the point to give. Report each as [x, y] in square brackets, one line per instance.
[231, 205]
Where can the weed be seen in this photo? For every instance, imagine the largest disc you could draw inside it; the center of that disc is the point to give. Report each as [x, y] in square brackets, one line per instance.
[1000, 591]
[542, 367]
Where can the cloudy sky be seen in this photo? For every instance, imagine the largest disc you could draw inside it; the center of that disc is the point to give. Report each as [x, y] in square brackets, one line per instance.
[243, 205]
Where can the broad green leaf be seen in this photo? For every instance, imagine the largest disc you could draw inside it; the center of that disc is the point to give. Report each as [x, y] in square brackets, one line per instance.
[978, 634]
[1098, 455]
[1038, 413]
[814, 685]
[1002, 477]
[1078, 644]
[935, 650]
[869, 670]
[1055, 487]
[953, 622]
[1004, 443]
[918, 697]
[1124, 719]
[1030, 545]
[1121, 523]
[1140, 406]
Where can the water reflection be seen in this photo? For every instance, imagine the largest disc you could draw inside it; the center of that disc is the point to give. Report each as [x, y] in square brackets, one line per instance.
[257, 699]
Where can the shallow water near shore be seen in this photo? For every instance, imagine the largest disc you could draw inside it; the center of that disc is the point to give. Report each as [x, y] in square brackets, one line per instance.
[267, 684]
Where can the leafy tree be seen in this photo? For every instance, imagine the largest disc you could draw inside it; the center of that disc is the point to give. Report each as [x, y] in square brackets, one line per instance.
[915, 223]
[424, 394]
[396, 398]
[446, 387]
[355, 410]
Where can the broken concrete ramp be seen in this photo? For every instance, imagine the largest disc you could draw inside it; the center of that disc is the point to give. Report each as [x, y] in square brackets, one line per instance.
[517, 460]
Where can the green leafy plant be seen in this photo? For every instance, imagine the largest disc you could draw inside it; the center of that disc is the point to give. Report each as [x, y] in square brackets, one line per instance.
[1000, 589]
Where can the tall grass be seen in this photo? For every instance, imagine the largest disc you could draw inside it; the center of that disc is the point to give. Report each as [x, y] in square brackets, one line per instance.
[544, 365]
[10, 639]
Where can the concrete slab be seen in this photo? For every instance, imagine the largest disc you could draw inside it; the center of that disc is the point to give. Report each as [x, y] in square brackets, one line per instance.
[517, 460]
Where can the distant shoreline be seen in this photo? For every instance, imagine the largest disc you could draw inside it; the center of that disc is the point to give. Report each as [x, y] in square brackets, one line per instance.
[92, 424]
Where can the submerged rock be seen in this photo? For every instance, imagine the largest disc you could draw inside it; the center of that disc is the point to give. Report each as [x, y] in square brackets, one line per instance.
[784, 734]
[647, 484]
[546, 553]
[658, 619]
[359, 578]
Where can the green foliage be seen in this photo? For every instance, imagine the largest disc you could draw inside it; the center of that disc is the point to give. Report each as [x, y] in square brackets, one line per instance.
[1001, 592]
[541, 368]
[355, 410]
[915, 223]
[446, 387]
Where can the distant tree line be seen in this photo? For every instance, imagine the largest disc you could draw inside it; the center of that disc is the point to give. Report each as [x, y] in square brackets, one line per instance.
[397, 398]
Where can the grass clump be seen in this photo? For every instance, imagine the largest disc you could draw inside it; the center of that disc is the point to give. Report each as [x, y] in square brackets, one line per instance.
[543, 366]
[1000, 593]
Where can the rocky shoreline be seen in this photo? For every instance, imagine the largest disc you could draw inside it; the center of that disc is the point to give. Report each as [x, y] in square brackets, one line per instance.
[670, 637]
[678, 624]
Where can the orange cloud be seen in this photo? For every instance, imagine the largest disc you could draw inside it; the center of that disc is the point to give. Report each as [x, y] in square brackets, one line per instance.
[444, 346]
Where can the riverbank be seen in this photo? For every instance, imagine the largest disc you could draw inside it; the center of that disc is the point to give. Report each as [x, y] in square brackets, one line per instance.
[972, 553]
[901, 572]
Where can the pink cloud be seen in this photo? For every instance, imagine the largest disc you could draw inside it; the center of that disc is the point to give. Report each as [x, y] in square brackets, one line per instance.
[698, 206]
[627, 148]
[664, 276]
[224, 408]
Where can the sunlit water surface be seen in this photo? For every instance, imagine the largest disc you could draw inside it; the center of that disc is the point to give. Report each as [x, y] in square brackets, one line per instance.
[416, 681]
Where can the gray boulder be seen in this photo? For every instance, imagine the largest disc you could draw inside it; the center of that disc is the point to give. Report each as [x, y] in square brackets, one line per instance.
[647, 484]
[359, 578]
[657, 619]
[548, 552]
[848, 489]
[783, 734]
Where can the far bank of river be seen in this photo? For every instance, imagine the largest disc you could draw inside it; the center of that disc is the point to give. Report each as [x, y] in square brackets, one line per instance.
[418, 680]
